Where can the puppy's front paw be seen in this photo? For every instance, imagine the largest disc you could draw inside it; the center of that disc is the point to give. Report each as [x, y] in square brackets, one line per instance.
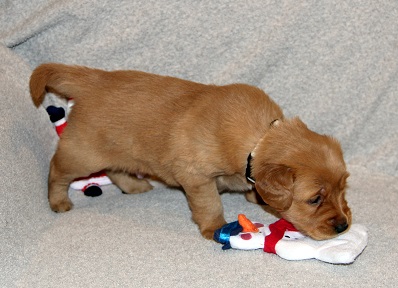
[61, 206]
[208, 232]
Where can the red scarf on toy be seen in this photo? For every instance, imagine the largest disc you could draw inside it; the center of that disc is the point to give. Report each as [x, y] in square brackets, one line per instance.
[277, 229]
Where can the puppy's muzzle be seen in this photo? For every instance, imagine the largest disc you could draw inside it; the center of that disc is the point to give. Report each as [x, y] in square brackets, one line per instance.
[339, 228]
[340, 224]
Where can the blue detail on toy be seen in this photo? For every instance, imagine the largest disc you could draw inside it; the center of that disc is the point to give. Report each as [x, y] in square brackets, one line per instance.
[223, 234]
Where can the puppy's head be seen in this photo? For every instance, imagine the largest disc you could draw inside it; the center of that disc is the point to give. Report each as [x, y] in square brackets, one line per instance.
[303, 176]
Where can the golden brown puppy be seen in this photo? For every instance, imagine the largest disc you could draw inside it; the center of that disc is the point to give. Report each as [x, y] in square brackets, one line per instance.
[197, 137]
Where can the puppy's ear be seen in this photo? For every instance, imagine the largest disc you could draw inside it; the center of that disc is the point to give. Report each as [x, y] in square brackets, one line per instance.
[274, 183]
[343, 180]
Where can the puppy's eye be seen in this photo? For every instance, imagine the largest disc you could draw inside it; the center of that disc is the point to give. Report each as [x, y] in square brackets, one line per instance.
[315, 201]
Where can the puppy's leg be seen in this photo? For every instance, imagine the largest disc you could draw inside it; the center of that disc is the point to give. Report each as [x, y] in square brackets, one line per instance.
[60, 176]
[129, 184]
[205, 203]
[58, 184]
[67, 164]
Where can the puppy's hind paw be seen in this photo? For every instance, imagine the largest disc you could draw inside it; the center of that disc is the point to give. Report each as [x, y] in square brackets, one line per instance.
[61, 206]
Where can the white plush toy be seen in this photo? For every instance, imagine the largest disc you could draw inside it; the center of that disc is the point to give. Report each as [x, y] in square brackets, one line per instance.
[283, 239]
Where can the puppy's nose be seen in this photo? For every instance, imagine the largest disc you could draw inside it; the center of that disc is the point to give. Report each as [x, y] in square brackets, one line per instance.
[341, 227]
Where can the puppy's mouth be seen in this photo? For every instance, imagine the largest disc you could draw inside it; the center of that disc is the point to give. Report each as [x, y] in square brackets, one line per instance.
[328, 230]
[325, 229]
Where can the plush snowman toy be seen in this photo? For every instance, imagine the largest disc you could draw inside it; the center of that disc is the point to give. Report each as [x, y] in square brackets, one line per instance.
[283, 239]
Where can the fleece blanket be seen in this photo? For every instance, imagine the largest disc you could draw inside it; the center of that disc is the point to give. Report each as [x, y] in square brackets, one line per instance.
[333, 63]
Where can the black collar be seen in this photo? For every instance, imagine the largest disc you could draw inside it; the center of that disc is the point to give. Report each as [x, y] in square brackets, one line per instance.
[248, 173]
[249, 170]
[252, 181]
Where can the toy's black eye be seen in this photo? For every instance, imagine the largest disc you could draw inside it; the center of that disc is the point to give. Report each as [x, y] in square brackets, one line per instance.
[315, 201]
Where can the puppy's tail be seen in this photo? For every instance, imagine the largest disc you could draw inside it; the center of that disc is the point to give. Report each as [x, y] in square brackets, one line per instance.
[63, 80]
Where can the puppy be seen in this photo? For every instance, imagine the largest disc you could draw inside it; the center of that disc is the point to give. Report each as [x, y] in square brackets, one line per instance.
[197, 137]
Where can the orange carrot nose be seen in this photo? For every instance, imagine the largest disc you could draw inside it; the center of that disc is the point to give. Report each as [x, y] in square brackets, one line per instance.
[246, 224]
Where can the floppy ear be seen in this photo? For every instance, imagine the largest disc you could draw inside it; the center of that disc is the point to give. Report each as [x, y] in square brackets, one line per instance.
[343, 180]
[274, 183]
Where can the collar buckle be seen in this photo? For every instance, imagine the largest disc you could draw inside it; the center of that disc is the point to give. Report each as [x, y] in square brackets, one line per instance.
[248, 170]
